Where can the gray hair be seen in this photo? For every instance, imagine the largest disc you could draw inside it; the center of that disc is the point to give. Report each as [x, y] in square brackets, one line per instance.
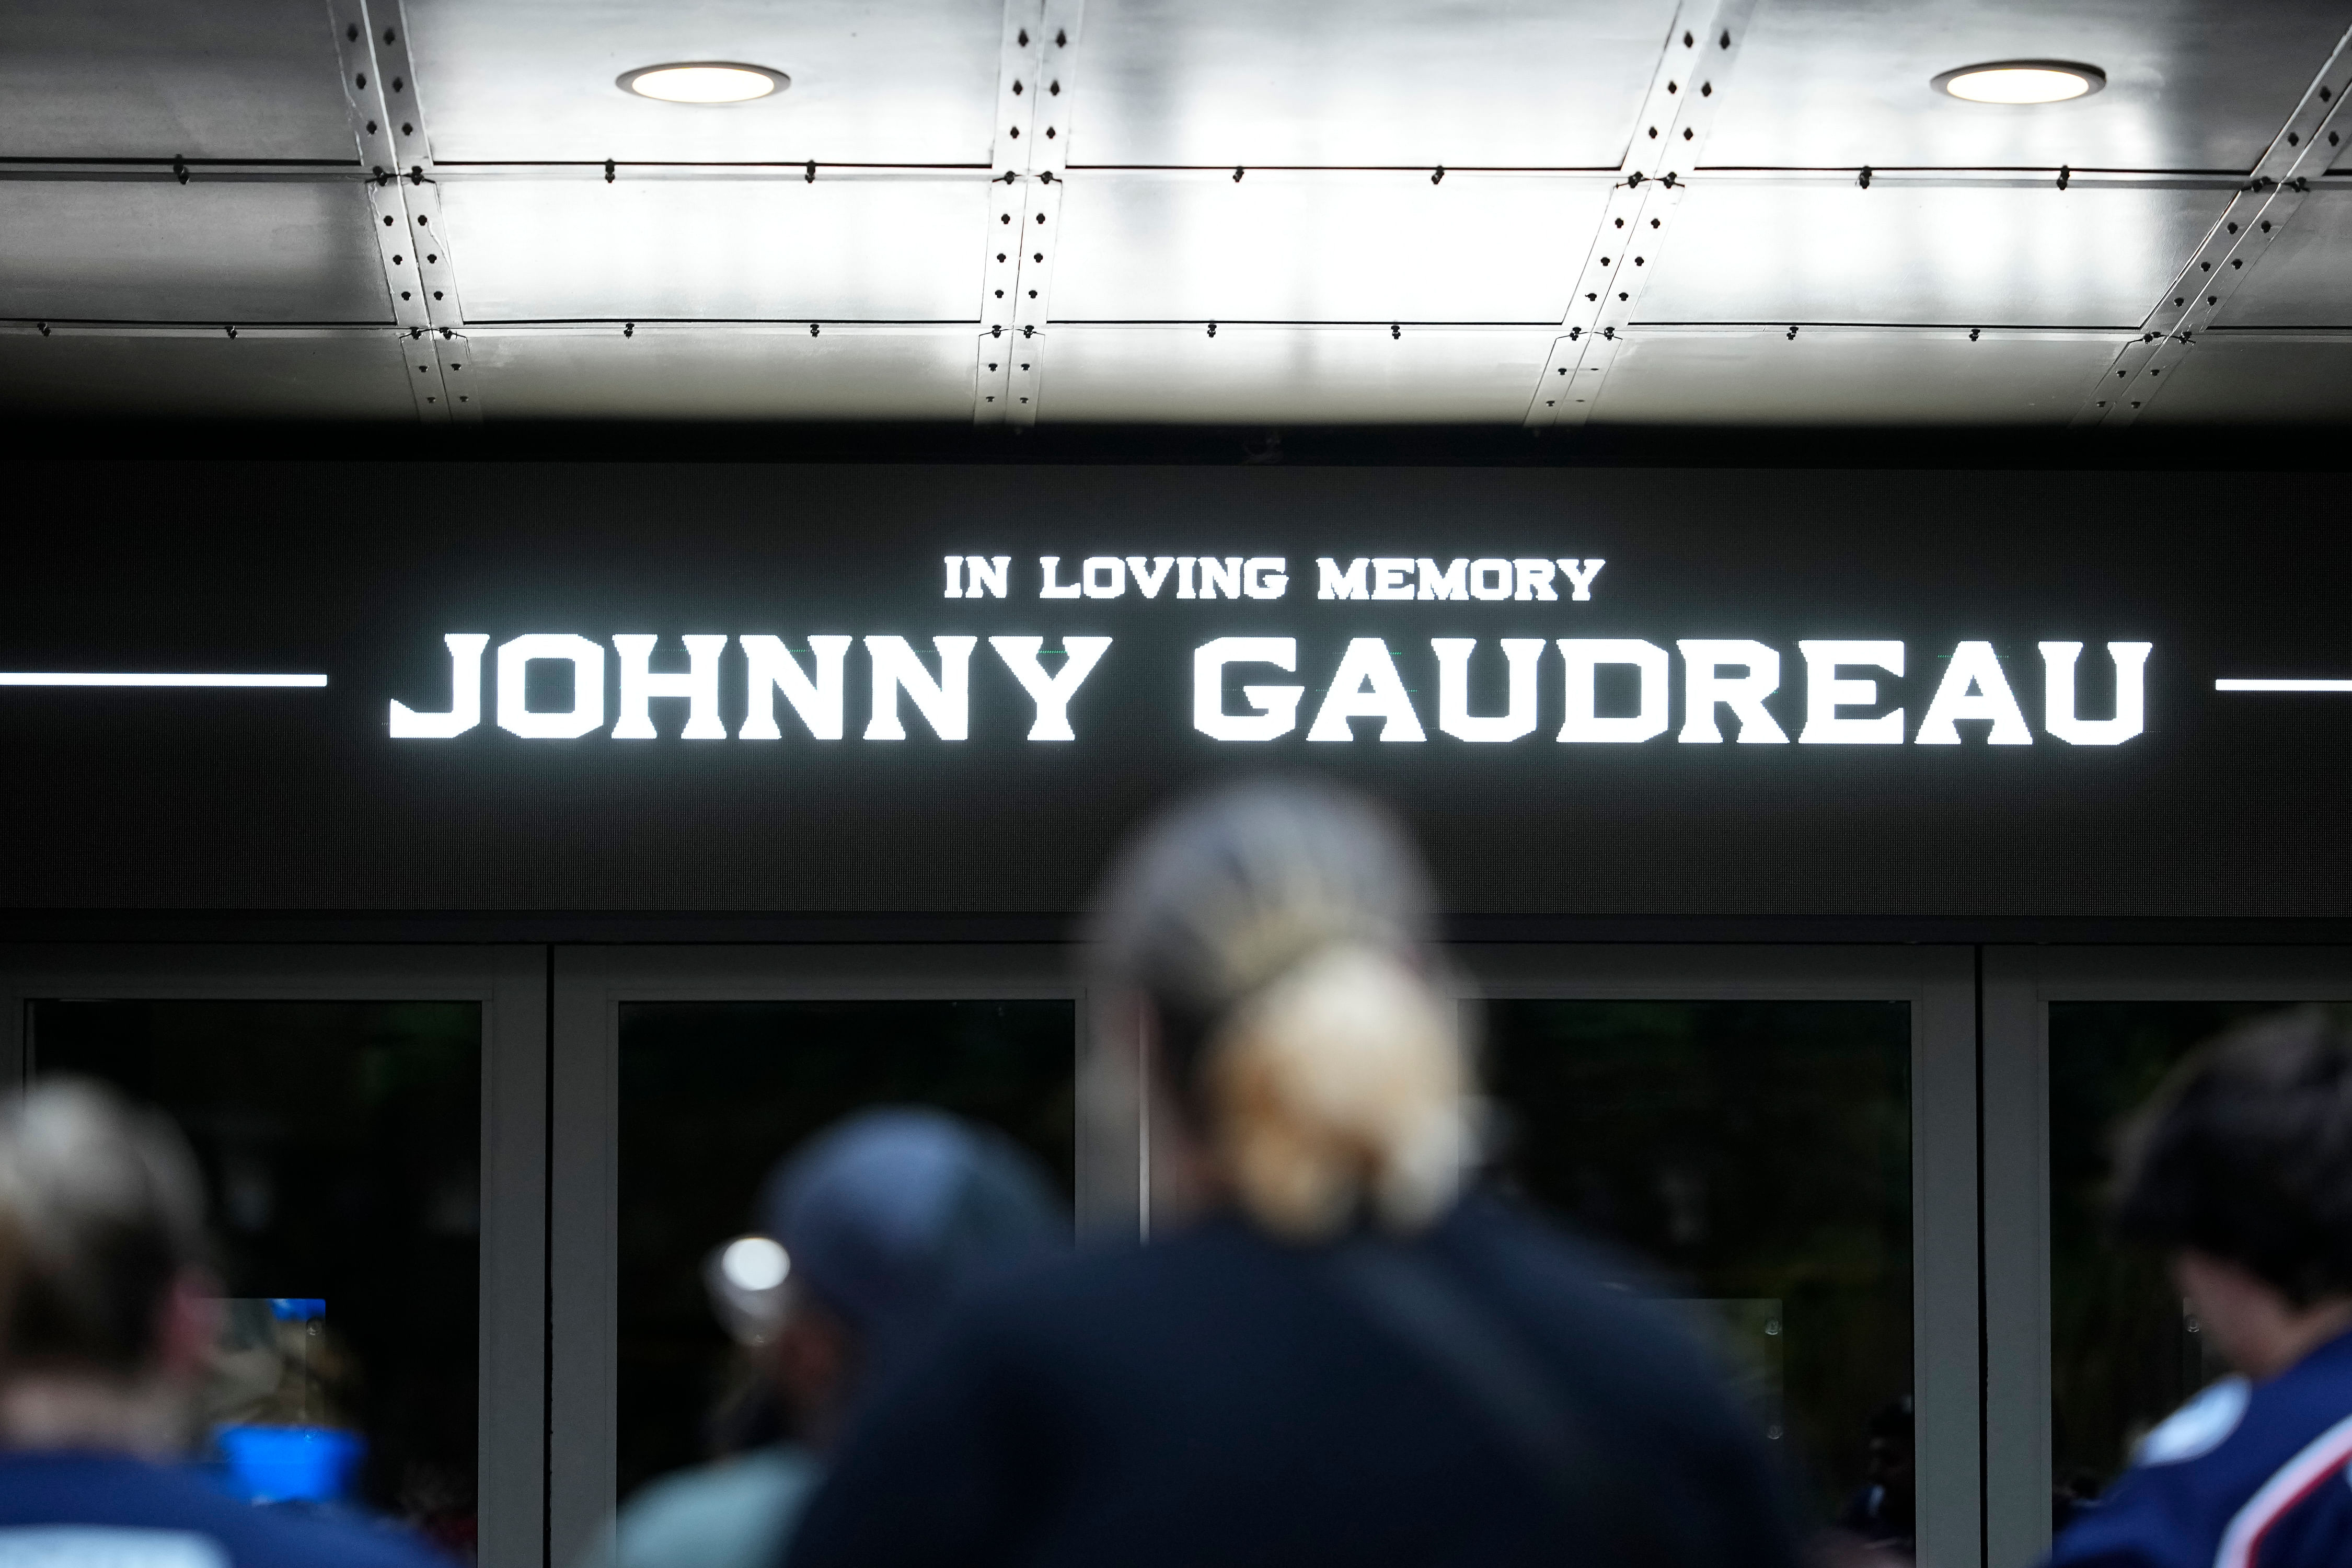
[1226, 890]
[102, 1206]
[1281, 933]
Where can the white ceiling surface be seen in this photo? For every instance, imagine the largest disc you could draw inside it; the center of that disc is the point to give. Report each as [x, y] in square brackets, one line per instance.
[1340, 115]
[2304, 280]
[1965, 255]
[859, 249]
[1340, 246]
[1146, 375]
[160, 251]
[1846, 375]
[131, 79]
[697, 372]
[1493, 83]
[874, 82]
[2284, 380]
[258, 374]
[2191, 85]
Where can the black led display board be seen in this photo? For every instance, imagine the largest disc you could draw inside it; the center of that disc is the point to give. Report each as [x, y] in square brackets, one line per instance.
[641, 688]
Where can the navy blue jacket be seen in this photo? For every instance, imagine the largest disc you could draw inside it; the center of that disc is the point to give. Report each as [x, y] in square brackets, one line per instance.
[110, 1512]
[1215, 1399]
[2243, 1476]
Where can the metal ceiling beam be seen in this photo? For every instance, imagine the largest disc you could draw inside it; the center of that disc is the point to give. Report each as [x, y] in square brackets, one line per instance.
[2265, 203]
[1036, 76]
[67, 326]
[1668, 139]
[395, 151]
[198, 171]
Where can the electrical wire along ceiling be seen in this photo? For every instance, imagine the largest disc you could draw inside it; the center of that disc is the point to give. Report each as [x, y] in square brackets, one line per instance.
[1729, 212]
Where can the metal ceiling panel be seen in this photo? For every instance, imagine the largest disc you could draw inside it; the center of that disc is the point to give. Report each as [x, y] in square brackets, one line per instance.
[1500, 83]
[1967, 255]
[1840, 83]
[260, 374]
[1834, 375]
[891, 249]
[910, 82]
[2233, 379]
[1327, 246]
[684, 372]
[205, 251]
[1290, 375]
[2305, 277]
[135, 78]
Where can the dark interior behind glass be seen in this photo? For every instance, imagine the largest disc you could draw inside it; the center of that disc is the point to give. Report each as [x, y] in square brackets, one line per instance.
[2124, 1350]
[341, 1143]
[1757, 1157]
[713, 1093]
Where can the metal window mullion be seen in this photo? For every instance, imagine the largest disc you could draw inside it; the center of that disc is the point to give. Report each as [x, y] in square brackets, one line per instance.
[583, 1260]
[513, 1417]
[582, 1277]
[1946, 1346]
[2016, 1227]
[508, 985]
[2020, 985]
[1939, 986]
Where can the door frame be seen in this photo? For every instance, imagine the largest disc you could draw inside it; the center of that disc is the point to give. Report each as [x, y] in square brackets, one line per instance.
[509, 984]
[2020, 984]
[1940, 985]
[590, 986]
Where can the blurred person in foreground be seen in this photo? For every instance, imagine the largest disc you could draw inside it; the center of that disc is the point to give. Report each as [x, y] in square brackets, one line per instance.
[1333, 1355]
[870, 1230]
[2241, 1170]
[1885, 1514]
[111, 1319]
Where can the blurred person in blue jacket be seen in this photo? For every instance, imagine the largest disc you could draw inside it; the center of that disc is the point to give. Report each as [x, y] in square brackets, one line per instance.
[1885, 1513]
[869, 1231]
[110, 1316]
[1329, 1351]
[2241, 1170]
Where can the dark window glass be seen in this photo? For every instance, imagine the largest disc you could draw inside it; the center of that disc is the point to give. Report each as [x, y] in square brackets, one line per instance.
[713, 1094]
[341, 1143]
[1758, 1156]
[2124, 1353]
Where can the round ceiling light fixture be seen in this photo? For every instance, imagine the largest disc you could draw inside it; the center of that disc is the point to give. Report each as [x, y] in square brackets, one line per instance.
[704, 82]
[2022, 81]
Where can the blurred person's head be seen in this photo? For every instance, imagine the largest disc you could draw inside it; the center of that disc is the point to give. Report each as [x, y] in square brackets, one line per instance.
[1273, 938]
[2240, 1168]
[110, 1316]
[1893, 1457]
[883, 1220]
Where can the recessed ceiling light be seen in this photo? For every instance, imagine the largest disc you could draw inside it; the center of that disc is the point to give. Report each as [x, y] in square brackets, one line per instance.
[704, 82]
[2022, 81]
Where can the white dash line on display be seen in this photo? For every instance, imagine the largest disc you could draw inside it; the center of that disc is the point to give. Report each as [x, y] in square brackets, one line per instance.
[163, 678]
[2282, 685]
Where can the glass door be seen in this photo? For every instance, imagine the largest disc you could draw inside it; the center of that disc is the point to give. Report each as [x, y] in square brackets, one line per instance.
[2089, 1345]
[368, 1128]
[1782, 1143]
[682, 1077]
